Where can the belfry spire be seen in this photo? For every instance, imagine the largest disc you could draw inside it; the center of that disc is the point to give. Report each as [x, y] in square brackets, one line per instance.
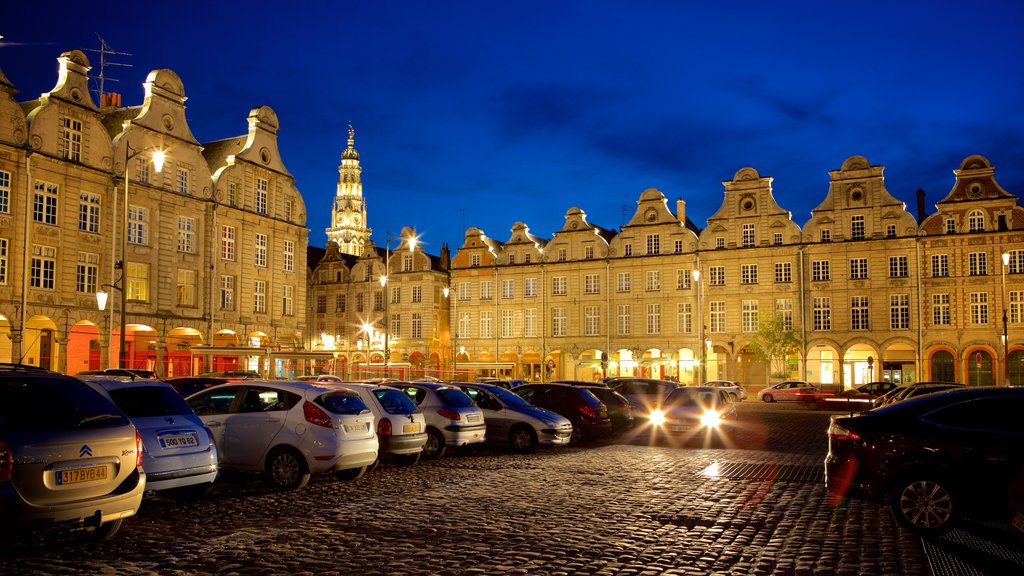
[348, 215]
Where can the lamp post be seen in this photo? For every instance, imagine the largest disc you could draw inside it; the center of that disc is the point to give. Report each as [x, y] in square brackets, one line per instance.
[122, 264]
[1006, 340]
[453, 319]
[411, 242]
[700, 320]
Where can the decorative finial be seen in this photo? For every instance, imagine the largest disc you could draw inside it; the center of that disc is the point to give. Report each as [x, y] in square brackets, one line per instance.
[351, 135]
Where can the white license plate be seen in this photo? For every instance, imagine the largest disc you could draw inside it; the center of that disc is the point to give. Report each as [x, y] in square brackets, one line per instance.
[473, 418]
[179, 440]
[679, 427]
[351, 428]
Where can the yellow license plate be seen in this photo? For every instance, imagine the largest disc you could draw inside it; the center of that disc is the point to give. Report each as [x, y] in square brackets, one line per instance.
[411, 428]
[77, 475]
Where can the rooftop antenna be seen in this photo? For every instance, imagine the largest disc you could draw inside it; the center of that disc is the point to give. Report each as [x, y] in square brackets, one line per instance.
[104, 51]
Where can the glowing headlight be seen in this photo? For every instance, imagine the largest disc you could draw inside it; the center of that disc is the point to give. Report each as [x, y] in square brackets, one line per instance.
[710, 419]
[657, 417]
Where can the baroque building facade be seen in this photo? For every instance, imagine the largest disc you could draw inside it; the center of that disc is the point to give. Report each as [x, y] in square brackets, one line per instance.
[209, 249]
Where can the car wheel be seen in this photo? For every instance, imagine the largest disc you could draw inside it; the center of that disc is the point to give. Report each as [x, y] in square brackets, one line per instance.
[733, 397]
[577, 434]
[350, 474]
[104, 531]
[408, 459]
[287, 468]
[434, 448]
[523, 439]
[924, 503]
[768, 398]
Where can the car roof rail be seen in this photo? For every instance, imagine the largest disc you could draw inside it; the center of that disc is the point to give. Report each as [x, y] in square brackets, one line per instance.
[19, 367]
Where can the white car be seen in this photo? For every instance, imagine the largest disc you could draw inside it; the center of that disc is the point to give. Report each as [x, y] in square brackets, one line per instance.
[452, 417]
[319, 378]
[177, 448]
[289, 429]
[788, 391]
[733, 389]
[401, 427]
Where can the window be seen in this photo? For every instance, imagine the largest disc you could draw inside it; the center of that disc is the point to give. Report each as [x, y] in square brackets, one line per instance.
[261, 195]
[321, 304]
[899, 311]
[654, 318]
[858, 268]
[359, 302]
[784, 306]
[89, 213]
[683, 279]
[716, 275]
[417, 325]
[558, 286]
[288, 256]
[182, 181]
[526, 259]
[940, 265]
[507, 323]
[486, 324]
[138, 225]
[592, 284]
[653, 280]
[826, 235]
[859, 313]
[186, 287]
[406, 262]
[940, 310]
[716, 316]
[86, 273]
[678, 246]
[783, 272]
[232, 193]
[465, 291]
[486, 290]
[979, 308]
[653, 244]
[5, 192]
[820, 270]
[288, 210]
[508, 288]
[822, 314]
[562, 255]
[259, 297]
[748, 236]
[777, 239]
[396, 294]
[1016, 262]
[465, 325]
[44, 203]
[186, 235]
[977, 263]
[474, 260]
[227, 292]
[142, 169]
[1015, 311]
[684, 317]
[44, 267]
[261, 250]
[751, 315]
[591, 320]
[898, 267]
[890, 230]
[227, 242]
[857, 227]
[396, 325]
[950, 226]
[622, 319]
[71, 138]
[340, 302]
[288, 301]
[530, 288]
[3, 261]
[558, 322]
[137, 281]
[720, 242]
[588, 252]
[622, 282]
[748, 273]
[417, 294]
[511, 259]
[976, 221]
[530, 323]
[627, 250]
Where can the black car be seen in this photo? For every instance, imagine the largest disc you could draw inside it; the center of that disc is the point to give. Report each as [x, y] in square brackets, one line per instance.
[589, 416]
[932, 458]
[645, 394]
[620, 409]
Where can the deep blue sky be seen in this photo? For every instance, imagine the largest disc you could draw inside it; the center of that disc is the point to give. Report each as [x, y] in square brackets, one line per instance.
[485, 113]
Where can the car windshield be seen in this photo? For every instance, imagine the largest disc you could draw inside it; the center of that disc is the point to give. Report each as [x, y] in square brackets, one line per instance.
[145, 401]
[58, 403]
[342, 402]
[691, 398]
[394, 401]
[510, 399]
[455, 398]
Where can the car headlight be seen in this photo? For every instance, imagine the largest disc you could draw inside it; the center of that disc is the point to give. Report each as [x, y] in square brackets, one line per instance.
[710, 419]
[657, 417]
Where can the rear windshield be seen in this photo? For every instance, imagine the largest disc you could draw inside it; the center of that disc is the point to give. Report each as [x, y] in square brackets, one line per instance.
[590, 399]
[395, 401]
[143, 401]
[346, 402]
[455, 398]
[54, 403]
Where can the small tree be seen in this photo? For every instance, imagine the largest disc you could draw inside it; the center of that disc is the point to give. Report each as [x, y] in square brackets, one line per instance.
[774, 343]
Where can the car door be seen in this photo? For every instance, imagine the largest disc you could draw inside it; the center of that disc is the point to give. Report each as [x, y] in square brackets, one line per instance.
[257, 417]
[495, 415]
[213, 406]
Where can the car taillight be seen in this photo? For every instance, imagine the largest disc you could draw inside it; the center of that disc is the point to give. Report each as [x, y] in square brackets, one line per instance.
[449, 414]
[6, 462]
[314, 415]
[138, 449]
[589, 411]
[837, 432]
[384, 427]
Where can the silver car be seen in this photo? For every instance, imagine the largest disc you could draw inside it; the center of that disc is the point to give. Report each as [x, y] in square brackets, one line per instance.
[515, 422]
[733, 389]
[452, 417]
[401, 427]
[68, 455]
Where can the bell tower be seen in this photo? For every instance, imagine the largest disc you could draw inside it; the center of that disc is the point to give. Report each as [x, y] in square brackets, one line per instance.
[348, 215]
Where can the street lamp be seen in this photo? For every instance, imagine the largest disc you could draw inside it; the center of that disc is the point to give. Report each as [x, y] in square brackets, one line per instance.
[411, 242]
[158, 158]
[1006, 340]
[453, 319]
[700, 320]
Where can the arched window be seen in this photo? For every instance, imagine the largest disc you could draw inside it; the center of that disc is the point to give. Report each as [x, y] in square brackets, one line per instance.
[976, 221]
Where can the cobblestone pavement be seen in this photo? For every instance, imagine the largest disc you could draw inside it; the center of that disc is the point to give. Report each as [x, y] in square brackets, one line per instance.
[624, 508]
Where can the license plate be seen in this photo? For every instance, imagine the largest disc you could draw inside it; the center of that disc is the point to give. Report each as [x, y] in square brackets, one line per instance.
[411, 428]
[179, 440]
[473, 418]
[679, 427]
[77, 475]
[350, 428]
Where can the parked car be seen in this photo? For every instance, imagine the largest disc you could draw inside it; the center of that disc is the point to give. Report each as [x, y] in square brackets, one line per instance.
[122, 373]
[620, 409]
[289, 429]
[860, 398]
[933, 458]
[177, 448]
[318, 378]
[913, 390]
[733, 389]
[789, 391]
[644, 393]
[452, 417]
[233, 375]
[513, 421]
[68, 455]
[704, 413]
[401, 426]
[589, 416]
[189, 385]
[506, 384]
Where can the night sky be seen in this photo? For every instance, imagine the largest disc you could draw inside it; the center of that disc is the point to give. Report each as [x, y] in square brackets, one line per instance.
[485, 113]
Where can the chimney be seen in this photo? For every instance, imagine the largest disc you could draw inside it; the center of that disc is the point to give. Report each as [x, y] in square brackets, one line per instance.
[110, 99]
[921, 214]
[681, 210]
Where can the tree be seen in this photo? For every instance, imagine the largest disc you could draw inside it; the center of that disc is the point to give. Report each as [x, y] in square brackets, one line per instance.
[774, 343]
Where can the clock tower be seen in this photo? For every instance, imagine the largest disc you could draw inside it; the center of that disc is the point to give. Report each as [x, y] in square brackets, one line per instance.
[348, 215]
